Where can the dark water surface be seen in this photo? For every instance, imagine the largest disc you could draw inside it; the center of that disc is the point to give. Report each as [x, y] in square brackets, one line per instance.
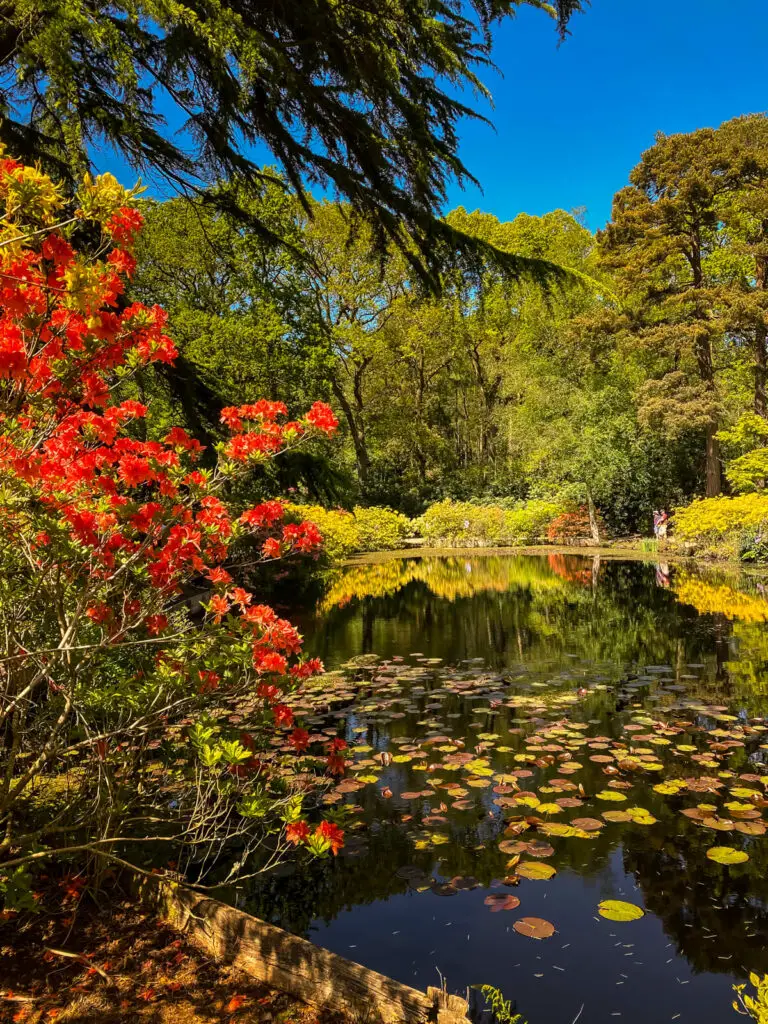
[544, 663]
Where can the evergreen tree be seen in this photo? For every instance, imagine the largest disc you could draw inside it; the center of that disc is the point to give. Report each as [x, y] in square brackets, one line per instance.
[363, 98]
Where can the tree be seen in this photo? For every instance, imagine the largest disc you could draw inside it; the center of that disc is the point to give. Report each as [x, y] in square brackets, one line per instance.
[741, 158]
[237, 304]
[663, 242]
[104, 537]
[360, 98]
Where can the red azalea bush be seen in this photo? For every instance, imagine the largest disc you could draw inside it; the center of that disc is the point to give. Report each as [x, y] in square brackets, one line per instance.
[114, 682]
[572, 526]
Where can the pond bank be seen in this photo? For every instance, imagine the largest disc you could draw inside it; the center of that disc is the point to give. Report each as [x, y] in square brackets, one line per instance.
[120, 965]
[616, 552]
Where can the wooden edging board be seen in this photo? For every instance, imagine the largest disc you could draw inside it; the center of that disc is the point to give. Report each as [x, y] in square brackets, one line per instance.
[291, 964]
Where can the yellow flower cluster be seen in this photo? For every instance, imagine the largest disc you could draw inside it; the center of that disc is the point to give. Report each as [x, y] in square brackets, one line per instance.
[715, 517]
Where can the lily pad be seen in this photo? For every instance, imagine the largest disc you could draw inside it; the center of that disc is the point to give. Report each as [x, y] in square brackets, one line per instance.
[618, 910]
[727, 855]
[535, 870]
[534, 928]
[501, 901]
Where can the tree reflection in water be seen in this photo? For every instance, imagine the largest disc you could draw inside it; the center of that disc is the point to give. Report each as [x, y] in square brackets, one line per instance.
[547, 630]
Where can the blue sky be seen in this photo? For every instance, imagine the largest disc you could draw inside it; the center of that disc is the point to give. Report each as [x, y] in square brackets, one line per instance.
[572, 121]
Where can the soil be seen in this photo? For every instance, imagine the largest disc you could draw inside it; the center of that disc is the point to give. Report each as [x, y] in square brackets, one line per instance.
[117, 964]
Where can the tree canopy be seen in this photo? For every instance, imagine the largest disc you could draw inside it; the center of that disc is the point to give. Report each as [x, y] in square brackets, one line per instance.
[363, 99]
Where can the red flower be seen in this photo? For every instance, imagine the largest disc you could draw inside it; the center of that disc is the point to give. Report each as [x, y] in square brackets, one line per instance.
[283, 714]
[241, 597]
[299, 739]
[209, 680]
[135, 471]
[267, 514]
[218, 606]
[13, 354]
[270, 662]
[297, 832]
[332, 833]
[271, 548]
[156, 624]
[321, 417]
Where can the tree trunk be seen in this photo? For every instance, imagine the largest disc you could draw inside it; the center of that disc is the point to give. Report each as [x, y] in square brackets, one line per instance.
[714, 477]
[362, 459]
[594, 527]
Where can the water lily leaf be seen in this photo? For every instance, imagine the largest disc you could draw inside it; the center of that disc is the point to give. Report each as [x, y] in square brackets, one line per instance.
[617, 816]
[549, 809]
[534, 928]
[588, 824]
[750, 828]
[535, 870]
[464, 882]
[501, 901]
[560, 829]
[670, 787]
[618, 910]
[538, 848]
[727, 855]
[610, 794]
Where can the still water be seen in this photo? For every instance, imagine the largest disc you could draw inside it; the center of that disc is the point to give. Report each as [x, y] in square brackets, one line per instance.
[513, 694]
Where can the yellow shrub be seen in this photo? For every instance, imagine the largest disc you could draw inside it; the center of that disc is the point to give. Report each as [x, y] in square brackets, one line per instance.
[462, 524]
[365, 529]
[713, 518]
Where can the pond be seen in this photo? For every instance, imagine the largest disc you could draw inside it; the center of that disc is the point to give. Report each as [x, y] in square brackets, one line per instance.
[556, 731]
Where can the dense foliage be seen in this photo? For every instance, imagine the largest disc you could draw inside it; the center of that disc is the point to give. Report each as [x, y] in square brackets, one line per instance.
[637, 383]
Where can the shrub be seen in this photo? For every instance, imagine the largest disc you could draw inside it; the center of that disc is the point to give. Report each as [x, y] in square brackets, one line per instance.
[381, 529]
[712, 519]
[364, 529]
[110, 681]
[462, 524]
[573, 525]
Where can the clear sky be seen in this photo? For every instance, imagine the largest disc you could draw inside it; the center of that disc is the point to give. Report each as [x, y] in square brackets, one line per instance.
[572, 121]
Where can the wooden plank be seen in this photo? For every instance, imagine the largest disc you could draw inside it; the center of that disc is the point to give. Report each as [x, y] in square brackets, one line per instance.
[293, 965]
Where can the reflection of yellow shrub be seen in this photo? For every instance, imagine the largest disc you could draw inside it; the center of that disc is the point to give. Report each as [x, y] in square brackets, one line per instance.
[364, 529]
[447, 578]
[710, 599]
[712, 518]
[361, 581]
[462, 524]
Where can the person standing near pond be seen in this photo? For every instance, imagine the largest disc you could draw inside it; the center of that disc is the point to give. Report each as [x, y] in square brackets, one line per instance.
[656, 521]
[661, 528]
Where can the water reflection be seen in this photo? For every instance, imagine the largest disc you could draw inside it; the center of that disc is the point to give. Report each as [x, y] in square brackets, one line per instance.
[563, 639]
